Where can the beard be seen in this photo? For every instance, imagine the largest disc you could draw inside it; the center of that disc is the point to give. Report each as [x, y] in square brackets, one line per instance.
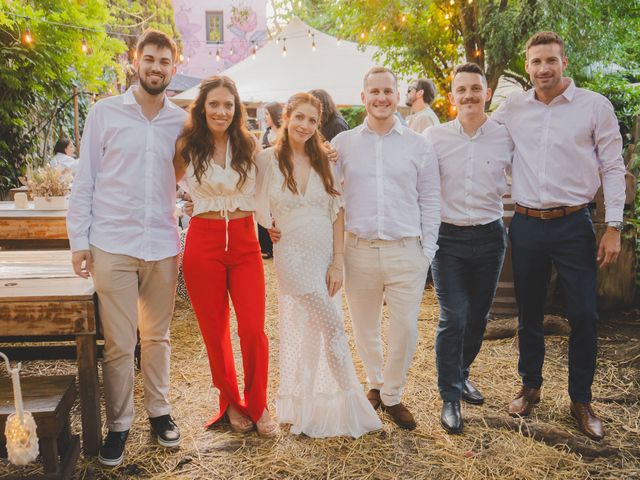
[154, 90]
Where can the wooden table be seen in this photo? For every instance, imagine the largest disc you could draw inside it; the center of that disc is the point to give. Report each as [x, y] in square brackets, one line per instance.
[41, 297]
[30, 228]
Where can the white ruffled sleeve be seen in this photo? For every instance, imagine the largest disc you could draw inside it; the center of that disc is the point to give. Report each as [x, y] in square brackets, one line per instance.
[264, 177]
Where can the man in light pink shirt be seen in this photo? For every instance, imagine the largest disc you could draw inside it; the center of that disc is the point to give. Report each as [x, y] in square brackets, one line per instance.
[565, 139]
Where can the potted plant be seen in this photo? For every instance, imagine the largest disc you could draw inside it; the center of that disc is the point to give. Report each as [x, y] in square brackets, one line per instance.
[48, 186]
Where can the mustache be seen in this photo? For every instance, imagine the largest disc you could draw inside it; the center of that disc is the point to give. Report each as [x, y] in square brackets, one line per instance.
[469, 100]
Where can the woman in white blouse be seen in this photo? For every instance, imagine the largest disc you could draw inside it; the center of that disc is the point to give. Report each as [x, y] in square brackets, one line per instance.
[222, 255]
[319, 392]
[63, 156]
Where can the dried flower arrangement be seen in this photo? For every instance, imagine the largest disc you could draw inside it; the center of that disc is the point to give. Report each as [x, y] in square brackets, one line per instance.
[47, 181]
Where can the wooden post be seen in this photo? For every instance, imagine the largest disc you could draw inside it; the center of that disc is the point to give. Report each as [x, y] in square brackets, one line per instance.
[76, 115]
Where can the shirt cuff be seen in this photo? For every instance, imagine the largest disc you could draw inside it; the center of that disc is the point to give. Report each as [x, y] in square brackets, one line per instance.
[613, 215]
[80, 243]
[428, 254]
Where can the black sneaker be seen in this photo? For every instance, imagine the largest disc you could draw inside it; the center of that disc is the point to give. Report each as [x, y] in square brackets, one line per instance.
[166, 429]
[112, 450]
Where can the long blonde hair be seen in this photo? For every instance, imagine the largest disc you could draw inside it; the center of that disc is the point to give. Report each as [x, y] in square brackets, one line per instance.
[312, 147]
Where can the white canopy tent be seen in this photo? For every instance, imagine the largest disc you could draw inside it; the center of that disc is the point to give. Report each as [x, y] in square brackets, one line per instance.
[273, 77]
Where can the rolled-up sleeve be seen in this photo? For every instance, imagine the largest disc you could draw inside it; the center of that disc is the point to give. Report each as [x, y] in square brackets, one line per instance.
[429, 201]
[79, 216]
[608, 143]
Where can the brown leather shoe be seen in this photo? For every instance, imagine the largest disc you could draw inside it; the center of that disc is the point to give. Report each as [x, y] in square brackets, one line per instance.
[588, 423]
[373, 396]
[400, 415]
[524, 401]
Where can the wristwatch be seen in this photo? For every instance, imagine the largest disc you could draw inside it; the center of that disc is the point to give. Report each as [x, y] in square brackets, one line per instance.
[617, 225]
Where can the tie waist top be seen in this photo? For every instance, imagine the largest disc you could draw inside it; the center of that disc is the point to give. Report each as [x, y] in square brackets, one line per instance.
[218, 190]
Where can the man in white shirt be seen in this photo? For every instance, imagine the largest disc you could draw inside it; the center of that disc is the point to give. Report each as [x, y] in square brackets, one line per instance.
[565, 139]
[392, 212]
[420, 96]
[122, 231]
[473, 153]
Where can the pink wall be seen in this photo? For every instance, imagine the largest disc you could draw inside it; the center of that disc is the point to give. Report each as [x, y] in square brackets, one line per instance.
[241, 32]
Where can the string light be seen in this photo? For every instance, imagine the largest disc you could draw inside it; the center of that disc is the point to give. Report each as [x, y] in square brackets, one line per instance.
[284, 47]
[384, 28]
[84, 47]
[362, 35]
[27, 38]
[231, 51]
[338, 41]
[403, 18]
[309, 33]
[181, 58]
[478, 53]
[218, 54]
[446, 16]
[313, 43]
[255, 51]
[452, 2]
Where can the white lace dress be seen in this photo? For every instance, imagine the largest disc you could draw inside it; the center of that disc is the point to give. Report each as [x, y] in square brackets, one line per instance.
[319, 393]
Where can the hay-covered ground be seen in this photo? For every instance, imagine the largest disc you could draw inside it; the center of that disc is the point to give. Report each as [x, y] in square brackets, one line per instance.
[426, 453]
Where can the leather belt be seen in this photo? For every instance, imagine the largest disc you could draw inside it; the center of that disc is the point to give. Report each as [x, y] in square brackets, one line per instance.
[548, 213]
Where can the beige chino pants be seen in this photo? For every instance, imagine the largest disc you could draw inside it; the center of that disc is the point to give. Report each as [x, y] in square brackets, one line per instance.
[134, 294]
[395, 271]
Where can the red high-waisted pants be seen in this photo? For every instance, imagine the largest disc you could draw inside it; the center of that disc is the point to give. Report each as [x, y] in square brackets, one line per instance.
[211, 275]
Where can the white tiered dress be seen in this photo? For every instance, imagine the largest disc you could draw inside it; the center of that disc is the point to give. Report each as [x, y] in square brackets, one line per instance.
[319, 393]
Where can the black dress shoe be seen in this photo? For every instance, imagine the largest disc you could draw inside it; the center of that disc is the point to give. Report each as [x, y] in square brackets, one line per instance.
[471, 394]
[267, 256]
[168, 433]
[451, 417]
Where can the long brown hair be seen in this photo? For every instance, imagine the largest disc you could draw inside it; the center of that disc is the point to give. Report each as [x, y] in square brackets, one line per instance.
[196, 140]
[312, 147]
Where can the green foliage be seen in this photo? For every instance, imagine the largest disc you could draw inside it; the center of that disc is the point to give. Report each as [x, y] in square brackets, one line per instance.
[625, 98]
[429, 37]
[354, 116]
[37, 80]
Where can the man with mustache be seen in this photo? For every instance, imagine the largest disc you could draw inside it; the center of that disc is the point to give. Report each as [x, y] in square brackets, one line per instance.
[565, 139]
[473, 153]
[122, 231]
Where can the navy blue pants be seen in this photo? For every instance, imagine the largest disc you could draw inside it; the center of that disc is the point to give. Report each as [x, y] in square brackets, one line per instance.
[570, 243]
[465, 273]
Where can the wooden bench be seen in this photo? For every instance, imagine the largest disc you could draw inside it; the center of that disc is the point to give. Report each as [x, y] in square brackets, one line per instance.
[49, 399]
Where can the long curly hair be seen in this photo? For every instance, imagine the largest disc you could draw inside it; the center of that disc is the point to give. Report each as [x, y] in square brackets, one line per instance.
[196, 139]
[313, 147]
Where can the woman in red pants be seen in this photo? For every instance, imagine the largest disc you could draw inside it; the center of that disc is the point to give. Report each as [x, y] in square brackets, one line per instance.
[222, 255]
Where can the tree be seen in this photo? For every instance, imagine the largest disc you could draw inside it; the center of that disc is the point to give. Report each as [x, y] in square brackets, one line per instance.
[429, 37]
[38, 77]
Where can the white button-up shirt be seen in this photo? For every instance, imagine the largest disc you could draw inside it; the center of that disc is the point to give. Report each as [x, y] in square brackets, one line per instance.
[562, 148]
[391, 185]
[123, 196]
[472, 171]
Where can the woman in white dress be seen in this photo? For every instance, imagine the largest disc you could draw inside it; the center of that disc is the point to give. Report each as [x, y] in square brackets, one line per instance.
[319, 393]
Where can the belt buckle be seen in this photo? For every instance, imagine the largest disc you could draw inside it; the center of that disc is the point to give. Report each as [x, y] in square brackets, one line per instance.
[545, 214]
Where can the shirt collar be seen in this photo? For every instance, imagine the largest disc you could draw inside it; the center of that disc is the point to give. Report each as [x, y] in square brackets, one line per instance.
[481, 130]
[130, 99]
[568, 93]
[397, 126]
